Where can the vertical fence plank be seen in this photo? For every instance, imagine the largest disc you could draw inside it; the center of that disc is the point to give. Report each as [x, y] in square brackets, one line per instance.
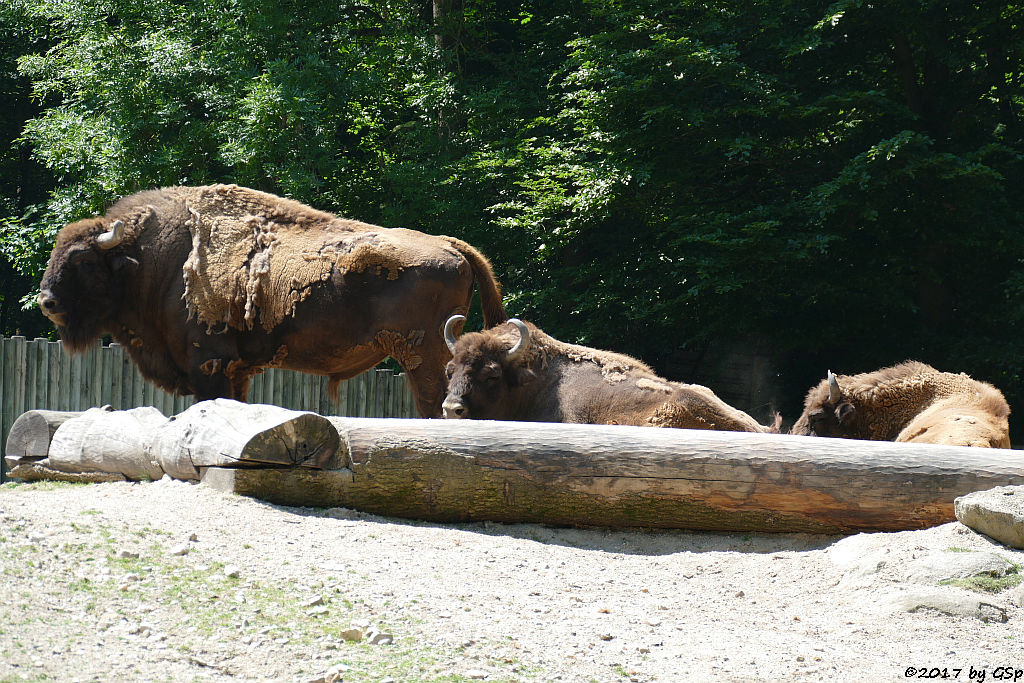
[268, 386]
[127, 381]
[86, 389]
[278, 387]
[114, 369]
[4, 393]
[31, 375]
[19, 375]
[53, 353]
[359, 403]
[382, 381]
[347, 398]
[138, 387]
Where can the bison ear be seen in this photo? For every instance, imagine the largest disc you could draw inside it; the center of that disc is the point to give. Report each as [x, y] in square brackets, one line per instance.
[124, 263]
[522, 376]
[845, 412]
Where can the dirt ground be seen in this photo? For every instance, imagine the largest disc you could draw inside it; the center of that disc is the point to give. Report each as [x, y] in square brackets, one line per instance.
[170, 581]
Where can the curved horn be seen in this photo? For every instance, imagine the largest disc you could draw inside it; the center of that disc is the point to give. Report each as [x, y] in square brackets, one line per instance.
[835, 394]
[449, 337]
[112, 237]
[520, 347]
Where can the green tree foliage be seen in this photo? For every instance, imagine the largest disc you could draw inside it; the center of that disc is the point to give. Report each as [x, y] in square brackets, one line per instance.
[830, 184]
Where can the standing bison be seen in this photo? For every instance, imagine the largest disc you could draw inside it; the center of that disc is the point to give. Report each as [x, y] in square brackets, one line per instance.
[907, 402]
[207, 286]
[516, 372]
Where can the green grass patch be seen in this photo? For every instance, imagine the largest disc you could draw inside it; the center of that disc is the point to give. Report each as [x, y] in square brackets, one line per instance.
[984, 583]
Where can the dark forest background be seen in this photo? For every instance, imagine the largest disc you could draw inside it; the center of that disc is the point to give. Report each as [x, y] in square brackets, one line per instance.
[781, 186]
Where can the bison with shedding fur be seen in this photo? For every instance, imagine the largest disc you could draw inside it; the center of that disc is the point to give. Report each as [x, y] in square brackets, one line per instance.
[907, 402]
[207, 286]
[515, 371]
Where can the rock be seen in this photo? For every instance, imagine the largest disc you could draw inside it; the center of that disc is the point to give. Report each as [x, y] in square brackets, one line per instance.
[1016, 595]
[336, 673]
[231, 571]
[181, 549]
[861, 554]
[314, 601]
[954, 603]
[375, 637]
[126, 555]
[998, 513]
[475, 674]
[943, 566]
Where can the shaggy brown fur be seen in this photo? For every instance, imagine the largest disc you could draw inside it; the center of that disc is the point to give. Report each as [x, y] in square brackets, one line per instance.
[557, 382]
[210, 285]
[909, 402]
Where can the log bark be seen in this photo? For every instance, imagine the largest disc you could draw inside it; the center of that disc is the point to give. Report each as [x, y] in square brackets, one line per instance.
[226, 433]
[30, 435]
[105, 440]
[143, 444]
[633, 477]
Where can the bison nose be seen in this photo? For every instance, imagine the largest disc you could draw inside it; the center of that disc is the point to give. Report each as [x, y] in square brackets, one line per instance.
[46, 301]
[453, 409]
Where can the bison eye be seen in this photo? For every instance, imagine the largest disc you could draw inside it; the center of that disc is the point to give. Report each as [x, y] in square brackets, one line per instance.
[79, 255]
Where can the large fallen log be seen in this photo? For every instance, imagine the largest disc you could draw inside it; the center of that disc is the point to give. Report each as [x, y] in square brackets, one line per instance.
[533, 472]
[632, 477]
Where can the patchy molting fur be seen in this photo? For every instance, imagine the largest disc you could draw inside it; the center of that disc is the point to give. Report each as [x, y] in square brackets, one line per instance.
[190, 335]
[911, 401]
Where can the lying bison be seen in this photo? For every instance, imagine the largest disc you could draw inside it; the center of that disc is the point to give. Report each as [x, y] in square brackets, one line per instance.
[516, 372]
[207, 286]
[907, 402]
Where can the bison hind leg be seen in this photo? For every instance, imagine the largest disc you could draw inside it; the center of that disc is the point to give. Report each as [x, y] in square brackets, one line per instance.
[678, 416]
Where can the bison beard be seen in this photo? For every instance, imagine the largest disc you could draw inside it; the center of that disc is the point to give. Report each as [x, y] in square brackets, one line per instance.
[207, 286]
[516, 372]
[910, 402]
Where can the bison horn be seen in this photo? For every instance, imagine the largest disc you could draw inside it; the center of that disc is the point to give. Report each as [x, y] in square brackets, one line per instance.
[835, 394]
[449, 336]
[520, 347]
[112, 237]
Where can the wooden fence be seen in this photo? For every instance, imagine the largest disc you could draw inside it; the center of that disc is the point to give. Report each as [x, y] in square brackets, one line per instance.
[37, 374]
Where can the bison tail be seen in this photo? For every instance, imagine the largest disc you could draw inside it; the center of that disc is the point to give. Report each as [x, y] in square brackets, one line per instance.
[490, 289]
[334, 387]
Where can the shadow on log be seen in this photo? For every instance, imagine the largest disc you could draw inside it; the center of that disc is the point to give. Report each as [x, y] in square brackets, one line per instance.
[632, 477]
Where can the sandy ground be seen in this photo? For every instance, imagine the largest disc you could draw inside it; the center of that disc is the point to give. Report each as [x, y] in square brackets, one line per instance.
[178, 582]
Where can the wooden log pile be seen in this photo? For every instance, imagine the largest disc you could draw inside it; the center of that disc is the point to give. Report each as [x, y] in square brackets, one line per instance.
[557, 474]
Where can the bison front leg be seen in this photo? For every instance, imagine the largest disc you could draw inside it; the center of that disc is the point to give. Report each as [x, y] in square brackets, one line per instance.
[427, 379]
[215, 370]
[210, 380]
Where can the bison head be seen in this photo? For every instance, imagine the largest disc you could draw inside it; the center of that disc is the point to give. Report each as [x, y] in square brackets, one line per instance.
[81, 291]
[827, 412]
[486, 370]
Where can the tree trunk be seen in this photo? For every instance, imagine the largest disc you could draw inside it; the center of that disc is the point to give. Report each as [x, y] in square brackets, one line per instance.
[632, 477]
